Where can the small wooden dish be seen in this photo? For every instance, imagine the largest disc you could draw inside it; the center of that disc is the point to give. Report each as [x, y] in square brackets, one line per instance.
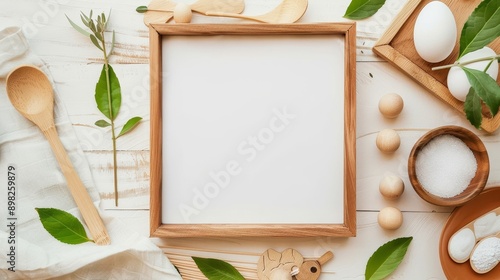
[477, 183]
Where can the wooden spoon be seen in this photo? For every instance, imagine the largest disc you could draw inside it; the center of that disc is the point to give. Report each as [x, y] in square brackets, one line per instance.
[30, 92]
[288, 11]
[487, 257]
[161, 11]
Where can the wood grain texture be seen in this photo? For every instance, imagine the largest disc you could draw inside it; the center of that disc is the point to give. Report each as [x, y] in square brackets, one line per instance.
[351, 254]
[78, 190]
[162, 11]
[156, 130]
[477, 183]
[348, 228]
[251, 230]
[470, 226]
[253, 29]
[31, 93]
[75, 64]
[350, 131]
[274, 265]
[159, 11]
[397, 47]
[75, 87]
[288, 11]
[485, 202]
[44, 29]
[133, 174]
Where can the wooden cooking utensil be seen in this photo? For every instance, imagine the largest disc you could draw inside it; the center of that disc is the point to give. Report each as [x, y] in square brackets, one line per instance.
[31, 93]
[274, 265]
[492, 258]
[311, 270]
[161, 11]
[288, 11]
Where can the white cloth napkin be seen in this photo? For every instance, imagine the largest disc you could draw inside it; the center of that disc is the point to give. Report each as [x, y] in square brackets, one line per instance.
[41, 184]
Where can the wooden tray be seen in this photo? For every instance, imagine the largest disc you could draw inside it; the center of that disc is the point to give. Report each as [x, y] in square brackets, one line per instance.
[396, 46]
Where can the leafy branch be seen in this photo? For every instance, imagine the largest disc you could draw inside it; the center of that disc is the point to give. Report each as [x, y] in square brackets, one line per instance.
[107, 90]
[463, 63]
[481, 28]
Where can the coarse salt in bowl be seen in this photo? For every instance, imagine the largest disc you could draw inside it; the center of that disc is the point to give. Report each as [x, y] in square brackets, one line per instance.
[448, 166]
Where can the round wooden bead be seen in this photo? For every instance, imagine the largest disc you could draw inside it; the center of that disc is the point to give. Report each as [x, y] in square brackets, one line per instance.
[182, 13]
[391, 105]
[390, 218]
[388, 141]
[391, 187]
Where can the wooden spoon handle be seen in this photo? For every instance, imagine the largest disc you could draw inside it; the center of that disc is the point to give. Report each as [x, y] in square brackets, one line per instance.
[325, 258]
[231, 15]
[78, 190]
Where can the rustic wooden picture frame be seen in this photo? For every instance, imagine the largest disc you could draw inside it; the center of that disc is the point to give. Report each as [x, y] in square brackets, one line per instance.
[348, 227]
[397, 47]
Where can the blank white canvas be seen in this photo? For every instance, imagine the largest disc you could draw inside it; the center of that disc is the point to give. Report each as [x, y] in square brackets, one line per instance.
[269, 109]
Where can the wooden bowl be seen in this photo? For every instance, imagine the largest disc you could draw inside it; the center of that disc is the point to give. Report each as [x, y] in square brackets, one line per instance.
[477, 183]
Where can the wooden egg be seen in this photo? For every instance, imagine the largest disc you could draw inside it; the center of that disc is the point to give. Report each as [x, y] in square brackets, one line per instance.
[390, 218]
[182, 13]
[388, 141]
[391, 187]
[391, 105]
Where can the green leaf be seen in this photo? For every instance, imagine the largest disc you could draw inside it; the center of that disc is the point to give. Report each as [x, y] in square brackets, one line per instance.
[62, 226]
[77, 28]
[131, 124]
[215, 269]
[103, 99]
[99, 30]
[481, 28]
[361, 9]
[141, 9]
[92, 26]
[85, 22]
[102, 123]
[94, 40]
[85, 16]
[487, 88]
[473, 108]
[99, 36]
[387, 258]
[106, 21]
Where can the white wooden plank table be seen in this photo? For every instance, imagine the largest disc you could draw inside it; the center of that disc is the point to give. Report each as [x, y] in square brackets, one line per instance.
[75, 65]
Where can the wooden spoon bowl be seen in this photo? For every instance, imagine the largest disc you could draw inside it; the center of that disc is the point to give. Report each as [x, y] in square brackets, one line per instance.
[30, 92]
[288, 11]
[477, 183]
[26, 80]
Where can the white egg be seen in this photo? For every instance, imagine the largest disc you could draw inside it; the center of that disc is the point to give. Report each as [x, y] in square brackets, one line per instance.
[435, 32]
[457, 81]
